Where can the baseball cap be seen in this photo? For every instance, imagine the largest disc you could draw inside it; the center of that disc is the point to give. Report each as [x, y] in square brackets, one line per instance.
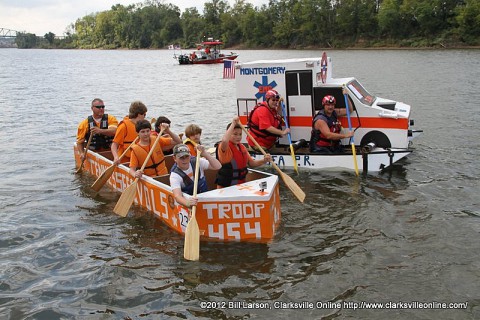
[181, 150]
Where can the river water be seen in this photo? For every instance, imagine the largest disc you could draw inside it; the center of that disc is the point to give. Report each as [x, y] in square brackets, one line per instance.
[398, 237]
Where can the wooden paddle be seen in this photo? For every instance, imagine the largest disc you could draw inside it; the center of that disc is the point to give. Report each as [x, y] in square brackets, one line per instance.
[354, 153]
[191, 249]
[292, 151]
[98, 184]
[128, 195]
[288, 181]
[85, 154]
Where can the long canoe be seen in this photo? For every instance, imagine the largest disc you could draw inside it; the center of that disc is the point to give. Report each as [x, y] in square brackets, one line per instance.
[245, 212]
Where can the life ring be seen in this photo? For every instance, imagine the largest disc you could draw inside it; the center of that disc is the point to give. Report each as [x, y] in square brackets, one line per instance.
[323, 64]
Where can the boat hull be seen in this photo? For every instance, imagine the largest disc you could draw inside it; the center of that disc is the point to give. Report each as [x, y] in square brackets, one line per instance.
[184, 59]
[375, 160]
[237, 213]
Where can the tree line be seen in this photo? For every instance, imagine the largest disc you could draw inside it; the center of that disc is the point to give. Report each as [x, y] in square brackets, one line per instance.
[280, 24]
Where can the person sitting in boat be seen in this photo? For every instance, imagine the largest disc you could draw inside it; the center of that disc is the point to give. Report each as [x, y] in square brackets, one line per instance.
[234, 157]
[162, 119]
[265, 122]
[101, 125]
[193, 133]
[156, 164]
[181, 174]
[126, 132]
[326, 129]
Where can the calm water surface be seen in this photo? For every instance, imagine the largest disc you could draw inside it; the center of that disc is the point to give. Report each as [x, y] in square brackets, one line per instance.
[401, 236]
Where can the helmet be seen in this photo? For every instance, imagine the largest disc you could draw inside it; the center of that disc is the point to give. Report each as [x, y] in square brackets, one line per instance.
[328, 100]
[271, 94]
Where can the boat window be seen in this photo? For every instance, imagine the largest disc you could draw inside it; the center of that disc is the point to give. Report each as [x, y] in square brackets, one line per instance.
[299, 83]
[361, 93]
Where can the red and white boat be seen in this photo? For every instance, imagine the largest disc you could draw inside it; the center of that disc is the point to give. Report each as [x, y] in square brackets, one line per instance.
[383, 128]
[208, 52]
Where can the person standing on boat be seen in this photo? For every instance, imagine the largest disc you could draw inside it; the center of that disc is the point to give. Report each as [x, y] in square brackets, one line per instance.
[326, 129]
[101, 125]
[126, 132]
[265, 122]
[156, 164]
[234, 157]
[193, 133]
[181, 174]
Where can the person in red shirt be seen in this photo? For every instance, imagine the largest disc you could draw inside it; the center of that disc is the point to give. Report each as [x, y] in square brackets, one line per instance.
[265, 122]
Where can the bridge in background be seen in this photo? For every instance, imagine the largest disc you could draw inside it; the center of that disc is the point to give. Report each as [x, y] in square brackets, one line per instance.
[7, 33]
[7, 38]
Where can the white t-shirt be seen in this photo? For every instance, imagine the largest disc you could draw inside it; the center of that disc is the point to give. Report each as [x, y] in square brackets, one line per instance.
[176, 181]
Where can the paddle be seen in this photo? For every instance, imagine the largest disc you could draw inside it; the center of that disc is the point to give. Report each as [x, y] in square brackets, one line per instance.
[292, 151]
[191, 249]
[354, 153]
[85, 154]
[128, 195]
[98, 184]
[288, 181]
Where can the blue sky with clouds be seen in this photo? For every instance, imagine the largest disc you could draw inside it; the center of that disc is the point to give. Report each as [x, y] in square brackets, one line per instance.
[43, 16]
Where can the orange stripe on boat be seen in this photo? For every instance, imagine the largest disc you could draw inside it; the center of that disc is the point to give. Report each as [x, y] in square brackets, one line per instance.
[385, 123]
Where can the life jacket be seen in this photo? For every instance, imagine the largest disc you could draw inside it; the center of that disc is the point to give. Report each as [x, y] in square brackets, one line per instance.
[153, 167]
[193, 143]
[234, 172]
[130, 136]
[254, 128]
[99, 141]
[188, 183]
[317, 138]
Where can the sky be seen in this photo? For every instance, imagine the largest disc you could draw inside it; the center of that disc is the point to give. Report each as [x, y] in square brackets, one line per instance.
[43, 16]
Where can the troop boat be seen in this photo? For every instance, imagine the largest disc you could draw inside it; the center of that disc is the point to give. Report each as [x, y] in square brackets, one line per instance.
[383, 127]
[208, 52]
[245, 212]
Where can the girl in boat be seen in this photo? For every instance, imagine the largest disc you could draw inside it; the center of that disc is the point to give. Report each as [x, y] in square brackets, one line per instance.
[234, 157]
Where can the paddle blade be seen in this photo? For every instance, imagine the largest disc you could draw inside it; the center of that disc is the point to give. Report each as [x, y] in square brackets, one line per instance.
[79, 168]
[291, 184]
[191, 250]
[98, 184]
[355, 164]
[126, 199]
[292, 152]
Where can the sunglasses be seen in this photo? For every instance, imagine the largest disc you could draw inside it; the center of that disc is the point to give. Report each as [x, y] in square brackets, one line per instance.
[100, 107]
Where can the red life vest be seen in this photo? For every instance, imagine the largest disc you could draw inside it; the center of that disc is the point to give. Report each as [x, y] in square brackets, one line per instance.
[235, 171]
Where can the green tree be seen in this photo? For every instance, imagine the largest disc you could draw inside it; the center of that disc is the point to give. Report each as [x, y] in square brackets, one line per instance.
[468, 19]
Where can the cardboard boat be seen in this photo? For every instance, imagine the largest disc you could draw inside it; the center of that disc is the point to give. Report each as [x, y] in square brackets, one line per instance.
[245, 212]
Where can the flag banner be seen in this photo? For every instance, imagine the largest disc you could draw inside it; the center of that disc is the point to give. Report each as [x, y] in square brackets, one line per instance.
[229, 69]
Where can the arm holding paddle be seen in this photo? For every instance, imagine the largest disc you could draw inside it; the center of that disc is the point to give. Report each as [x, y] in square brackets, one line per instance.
[296, 190]
[234, 135]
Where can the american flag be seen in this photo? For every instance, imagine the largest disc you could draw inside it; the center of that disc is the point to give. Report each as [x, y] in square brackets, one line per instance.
[229, 69]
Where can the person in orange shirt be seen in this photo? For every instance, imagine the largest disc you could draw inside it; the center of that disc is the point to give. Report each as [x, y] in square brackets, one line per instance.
[156, 164]
[101, 125]
[126, 132]
[234, 157]
[193, 133]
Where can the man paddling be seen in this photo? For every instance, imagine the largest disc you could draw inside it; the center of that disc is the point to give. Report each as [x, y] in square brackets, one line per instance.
[101, 125]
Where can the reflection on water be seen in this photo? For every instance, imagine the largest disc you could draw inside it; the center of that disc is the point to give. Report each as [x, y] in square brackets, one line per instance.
[402, 235]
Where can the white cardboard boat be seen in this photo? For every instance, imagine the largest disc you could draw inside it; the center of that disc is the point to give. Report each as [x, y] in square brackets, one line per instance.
[383, 127]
